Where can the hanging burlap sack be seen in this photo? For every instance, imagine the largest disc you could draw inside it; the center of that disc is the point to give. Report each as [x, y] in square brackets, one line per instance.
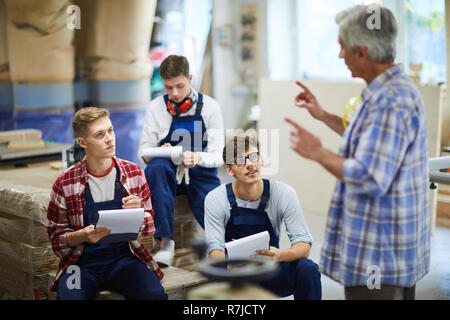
[4, 63]
[39, 41]
[117, 38]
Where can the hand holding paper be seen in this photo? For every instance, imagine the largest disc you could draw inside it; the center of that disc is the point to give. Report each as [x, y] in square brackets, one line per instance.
[272, 253]
[247, 246]
[163, 152]
[132, 201]
[93, 235]
[123, 223]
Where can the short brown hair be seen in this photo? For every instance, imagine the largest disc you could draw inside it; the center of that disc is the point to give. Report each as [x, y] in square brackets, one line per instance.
[84, 117]
[236, 146]
[174, 66]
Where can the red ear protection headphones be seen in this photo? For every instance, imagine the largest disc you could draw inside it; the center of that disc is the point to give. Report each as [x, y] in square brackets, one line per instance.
[176, 109]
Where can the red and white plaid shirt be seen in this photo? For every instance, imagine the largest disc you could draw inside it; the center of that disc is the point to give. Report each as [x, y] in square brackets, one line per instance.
[65, 213]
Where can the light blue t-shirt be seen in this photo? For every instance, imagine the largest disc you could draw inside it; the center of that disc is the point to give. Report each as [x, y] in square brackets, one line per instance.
[283, 205]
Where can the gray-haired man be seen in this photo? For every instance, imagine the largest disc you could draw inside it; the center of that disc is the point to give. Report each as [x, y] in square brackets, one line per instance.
[377, 236]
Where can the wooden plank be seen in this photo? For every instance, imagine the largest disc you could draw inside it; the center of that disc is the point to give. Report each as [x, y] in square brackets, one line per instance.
[443, 222]
[26, 144]
[444, 189]
[186, 229]
[176, 282]
[44, 164]
[443, 210]
[184, 258]
[53, 148]
[17, 284]
[30, 259]
[42, 177]
[19, 135]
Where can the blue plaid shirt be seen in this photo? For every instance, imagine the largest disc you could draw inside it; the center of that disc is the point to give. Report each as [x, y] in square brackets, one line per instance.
[379, 213]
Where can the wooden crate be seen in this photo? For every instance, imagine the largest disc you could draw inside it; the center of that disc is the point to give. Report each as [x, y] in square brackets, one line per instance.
[23, 230]
[27, 258]
[20, 135]
[24, 201]
[176, 282]
[443, 206]
[17, 284]
[186, 229]
[23, 208]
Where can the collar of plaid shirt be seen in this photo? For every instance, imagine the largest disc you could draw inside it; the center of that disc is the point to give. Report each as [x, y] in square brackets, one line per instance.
[380, 80]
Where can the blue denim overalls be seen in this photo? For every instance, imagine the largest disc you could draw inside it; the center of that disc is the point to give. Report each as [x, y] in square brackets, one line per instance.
[299, 277]
[110, 266]
[188, 131]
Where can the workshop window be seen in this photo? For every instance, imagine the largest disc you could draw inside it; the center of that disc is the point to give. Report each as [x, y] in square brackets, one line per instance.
[308, 35]
[318, 47]
[425, 42]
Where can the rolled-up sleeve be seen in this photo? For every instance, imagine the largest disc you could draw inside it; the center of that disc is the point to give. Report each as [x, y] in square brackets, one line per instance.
[380, 151]
[58, 225]
[217, 213]
[149, 138]
[148, 226]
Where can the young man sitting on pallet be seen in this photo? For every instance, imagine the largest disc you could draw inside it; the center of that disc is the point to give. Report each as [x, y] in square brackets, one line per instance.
[251, 205]
[100, 182]
[187, 118]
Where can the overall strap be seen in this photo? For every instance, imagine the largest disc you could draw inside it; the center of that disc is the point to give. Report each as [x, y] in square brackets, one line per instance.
[87, 194]
[265, 196]
[119, 189]
[230, 194]
[166, 99]
[199, 108]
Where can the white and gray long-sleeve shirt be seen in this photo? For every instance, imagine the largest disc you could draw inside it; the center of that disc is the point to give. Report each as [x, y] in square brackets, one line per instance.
[158, 120]
[283, 206]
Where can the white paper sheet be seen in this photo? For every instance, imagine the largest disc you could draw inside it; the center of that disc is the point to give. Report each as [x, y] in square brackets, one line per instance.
[163, 152]
[121, 220]
[247, 246]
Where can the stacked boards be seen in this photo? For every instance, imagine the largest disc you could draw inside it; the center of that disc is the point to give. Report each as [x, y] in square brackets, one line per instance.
[186, 229]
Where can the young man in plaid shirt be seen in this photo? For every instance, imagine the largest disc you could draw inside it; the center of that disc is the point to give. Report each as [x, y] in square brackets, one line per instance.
[100, 182]
[377, 238]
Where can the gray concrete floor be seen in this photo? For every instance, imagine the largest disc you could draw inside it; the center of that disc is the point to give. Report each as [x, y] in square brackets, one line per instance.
[434, 286]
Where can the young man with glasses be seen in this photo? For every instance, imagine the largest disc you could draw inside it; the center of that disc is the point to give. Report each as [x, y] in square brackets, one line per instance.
[251, 205]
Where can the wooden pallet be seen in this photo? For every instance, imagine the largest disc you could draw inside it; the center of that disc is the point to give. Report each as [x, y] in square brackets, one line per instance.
[186, 229]
[27, 258]
[24, 244]
[17, 284]
[176, 282]
[443, 206]
[23, 230]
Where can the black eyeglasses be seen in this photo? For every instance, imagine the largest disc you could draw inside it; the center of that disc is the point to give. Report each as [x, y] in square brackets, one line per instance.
[241, 161]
